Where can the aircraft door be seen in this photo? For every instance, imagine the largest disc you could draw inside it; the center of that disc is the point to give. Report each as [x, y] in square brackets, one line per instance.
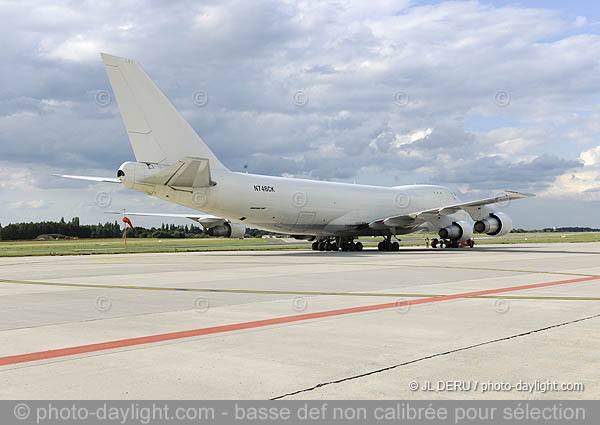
[304, 221]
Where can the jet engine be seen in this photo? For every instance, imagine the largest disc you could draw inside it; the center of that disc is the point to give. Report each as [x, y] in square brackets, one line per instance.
[458, 231]
[229, 230]
[497, 224]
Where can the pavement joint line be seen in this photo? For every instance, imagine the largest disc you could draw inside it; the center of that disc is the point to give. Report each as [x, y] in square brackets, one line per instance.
[276, 292]
[432, 356]
[149, 339]
[390, 265]
[117, 259]
[498, 270]
[399, 265]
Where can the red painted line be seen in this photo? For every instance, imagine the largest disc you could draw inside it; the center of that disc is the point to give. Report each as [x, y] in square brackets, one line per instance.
[82, 349]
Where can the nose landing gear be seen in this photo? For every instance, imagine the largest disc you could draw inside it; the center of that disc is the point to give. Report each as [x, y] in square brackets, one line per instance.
[447, 243]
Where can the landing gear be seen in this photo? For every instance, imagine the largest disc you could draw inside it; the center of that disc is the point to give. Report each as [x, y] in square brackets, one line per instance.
[388, 245]
[440, 243]
[325, 245]
[349, 245]
[331, 246]
[447, 243]
[343, 243]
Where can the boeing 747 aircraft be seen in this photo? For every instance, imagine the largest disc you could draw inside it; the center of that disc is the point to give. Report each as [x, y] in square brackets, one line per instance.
[173, 163]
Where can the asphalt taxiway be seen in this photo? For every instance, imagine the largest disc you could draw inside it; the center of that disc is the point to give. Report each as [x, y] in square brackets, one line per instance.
[303, 324]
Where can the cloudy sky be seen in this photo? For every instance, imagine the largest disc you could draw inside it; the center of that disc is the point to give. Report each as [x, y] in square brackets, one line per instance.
[477, 95]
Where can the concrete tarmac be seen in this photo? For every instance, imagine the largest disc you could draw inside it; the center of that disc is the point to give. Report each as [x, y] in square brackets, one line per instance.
[489, 322]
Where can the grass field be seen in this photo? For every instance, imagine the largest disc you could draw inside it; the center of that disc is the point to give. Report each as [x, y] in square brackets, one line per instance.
[116, 246]
[119, 243]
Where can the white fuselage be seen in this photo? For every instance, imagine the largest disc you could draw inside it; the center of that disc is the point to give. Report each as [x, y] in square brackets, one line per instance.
[298, 206]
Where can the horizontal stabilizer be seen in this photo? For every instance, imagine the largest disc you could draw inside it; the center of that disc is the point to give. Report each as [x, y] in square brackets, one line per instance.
[93, 179]
[206, 220]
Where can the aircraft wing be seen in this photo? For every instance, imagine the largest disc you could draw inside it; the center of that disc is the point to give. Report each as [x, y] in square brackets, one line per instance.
[418, 217]
[508, 195]
[206, 220]
[94, 179]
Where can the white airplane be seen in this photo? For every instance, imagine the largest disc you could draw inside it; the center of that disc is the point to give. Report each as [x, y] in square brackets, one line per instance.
[174, 164]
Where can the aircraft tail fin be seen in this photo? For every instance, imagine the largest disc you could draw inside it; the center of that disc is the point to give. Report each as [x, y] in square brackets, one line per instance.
[157, 132]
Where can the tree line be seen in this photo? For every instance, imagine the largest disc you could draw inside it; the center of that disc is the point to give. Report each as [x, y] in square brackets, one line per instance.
[558, 230]
[30, 231]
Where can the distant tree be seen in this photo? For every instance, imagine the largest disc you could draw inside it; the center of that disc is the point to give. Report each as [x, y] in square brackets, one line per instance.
[73, 228]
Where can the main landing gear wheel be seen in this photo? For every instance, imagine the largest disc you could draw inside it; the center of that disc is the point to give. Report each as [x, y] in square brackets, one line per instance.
[388, 245]
[351, 246]
[447, 243]
[325, 245]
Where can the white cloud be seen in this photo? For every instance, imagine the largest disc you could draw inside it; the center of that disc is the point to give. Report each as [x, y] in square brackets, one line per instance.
[591, 157]
[580, 21]
[76, 49]
[35, 204]
[579, 184]
[16, 178]
[350, 57]
[407, 139]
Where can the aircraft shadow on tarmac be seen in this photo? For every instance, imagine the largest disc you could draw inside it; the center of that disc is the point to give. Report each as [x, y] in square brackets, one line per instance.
[407, 251]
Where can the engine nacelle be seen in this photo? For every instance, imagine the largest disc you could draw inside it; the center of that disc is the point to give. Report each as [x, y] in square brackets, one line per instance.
[497, 224]
[458, 231]
[228, 230]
